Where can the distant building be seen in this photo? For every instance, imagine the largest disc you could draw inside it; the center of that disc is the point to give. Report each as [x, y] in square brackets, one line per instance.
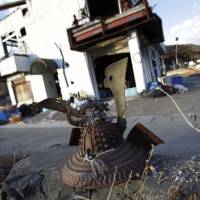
[36, 37]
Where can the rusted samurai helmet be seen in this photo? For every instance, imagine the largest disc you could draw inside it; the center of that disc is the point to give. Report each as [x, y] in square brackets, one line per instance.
[103, 151]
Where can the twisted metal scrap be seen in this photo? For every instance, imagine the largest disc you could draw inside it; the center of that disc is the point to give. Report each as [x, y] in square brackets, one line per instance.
[75, 117]
[102, 147]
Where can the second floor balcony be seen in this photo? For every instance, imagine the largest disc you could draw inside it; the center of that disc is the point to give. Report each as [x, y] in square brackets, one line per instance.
[128, 18]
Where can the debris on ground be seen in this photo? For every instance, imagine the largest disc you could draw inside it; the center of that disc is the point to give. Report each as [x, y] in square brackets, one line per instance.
[180, 88]
[14, 114]
[23, 186]
[162, 182]
[10, 114]
[29, 110]
[6, 165]
[103, 154]
[152, 90]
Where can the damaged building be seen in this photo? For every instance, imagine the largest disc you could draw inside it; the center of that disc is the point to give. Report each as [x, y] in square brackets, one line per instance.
[57, 48]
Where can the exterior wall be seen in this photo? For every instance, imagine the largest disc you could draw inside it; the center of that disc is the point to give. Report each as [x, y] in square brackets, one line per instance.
[92, 75]
[136, 58]
[65, 91]
[50, 85]
[22, 63]
[8, 66]
[1, 50]
[146, 60]
[38, 87]
[157, 59]
[48, 26]
[45, 26]
[151, 53]
[13, 64]
[42, 87]
[78, 75]
[46, 85]
[10, 24]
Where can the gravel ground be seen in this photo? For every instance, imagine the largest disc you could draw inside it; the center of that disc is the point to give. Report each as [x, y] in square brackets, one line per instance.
[167, 178]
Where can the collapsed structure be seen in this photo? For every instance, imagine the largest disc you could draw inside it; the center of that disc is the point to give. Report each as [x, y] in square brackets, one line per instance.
[36, 52]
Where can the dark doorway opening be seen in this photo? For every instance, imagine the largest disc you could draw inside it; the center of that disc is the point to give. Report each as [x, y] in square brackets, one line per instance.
[102, 63]
[57, 85]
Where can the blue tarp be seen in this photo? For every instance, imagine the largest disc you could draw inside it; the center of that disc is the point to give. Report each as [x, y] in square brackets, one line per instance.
[5, 115]
[152, 85]
[177, 80]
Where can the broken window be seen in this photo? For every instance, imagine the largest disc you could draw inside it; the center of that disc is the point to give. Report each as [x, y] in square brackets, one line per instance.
[13, 43]
[99, 8]
[24, 11]
[23, 32]
[9, 43]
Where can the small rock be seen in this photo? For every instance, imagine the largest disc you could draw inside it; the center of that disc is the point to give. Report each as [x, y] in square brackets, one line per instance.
[180, 173]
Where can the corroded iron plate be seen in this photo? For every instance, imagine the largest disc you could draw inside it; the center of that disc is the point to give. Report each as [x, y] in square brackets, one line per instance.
[127, 158]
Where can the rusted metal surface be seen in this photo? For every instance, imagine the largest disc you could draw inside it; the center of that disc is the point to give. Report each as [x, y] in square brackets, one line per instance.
[100, 138]
[83, 33]
[140, 135]
[102, 147]
[127, 157]
[154, 23]
[108, 25]
[5, 6]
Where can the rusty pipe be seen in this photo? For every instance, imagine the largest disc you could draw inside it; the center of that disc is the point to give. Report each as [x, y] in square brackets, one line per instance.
[5, 6]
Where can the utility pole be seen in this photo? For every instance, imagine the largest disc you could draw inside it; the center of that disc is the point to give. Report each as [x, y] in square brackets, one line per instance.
[177, 63]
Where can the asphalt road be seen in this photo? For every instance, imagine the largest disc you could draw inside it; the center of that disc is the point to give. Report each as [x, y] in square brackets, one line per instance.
[180, 140]
[158, 115]
[22, 140]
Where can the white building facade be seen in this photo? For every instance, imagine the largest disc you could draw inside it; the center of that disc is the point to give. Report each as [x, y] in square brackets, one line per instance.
[39, 61]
